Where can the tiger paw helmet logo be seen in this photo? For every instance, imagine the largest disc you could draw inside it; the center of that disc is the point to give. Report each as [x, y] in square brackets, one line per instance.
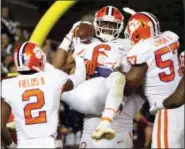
[28, 57]
[38, 52]
[134, 24]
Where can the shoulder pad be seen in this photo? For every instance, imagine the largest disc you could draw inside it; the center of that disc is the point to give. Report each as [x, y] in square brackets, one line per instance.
[123, 44]
[171, 35]
[140, 53]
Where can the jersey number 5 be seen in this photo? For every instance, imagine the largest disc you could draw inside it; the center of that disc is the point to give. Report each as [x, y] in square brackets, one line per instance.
[167, 63]
[41, 118]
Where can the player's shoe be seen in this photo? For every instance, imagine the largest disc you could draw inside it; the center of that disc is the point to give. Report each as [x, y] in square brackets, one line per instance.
[11, 125]
[104, 131]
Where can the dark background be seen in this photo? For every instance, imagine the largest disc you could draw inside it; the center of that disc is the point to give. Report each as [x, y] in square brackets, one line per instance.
[28, 12]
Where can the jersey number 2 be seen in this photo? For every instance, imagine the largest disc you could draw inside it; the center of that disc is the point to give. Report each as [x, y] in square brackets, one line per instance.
[167, 63]
[41, 118]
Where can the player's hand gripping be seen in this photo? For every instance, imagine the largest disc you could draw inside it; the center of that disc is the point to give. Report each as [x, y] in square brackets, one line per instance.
[65, 44]
[158, 105]
[104, 131]
[89, 64]
[90, 67]
[73, 30]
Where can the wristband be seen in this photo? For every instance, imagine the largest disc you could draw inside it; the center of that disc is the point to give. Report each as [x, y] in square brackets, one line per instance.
[80, 72]
[66, 42]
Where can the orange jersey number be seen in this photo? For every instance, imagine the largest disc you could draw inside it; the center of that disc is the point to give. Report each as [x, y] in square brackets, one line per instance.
[97, 52]
[41, 118]
[167, 63]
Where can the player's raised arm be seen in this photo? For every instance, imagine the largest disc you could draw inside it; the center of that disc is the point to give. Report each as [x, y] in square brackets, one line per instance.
[5, 134]
[60, 58]
[79, 75]
[61, 54]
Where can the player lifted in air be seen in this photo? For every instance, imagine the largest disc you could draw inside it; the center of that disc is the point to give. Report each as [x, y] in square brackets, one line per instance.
[34, 97]
[100, 93]
[155, 64]
[111, 86]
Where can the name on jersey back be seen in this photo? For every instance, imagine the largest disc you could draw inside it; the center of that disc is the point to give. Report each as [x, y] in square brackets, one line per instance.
[31, 82]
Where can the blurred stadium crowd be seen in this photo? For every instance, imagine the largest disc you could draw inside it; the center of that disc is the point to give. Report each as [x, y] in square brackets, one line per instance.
[71, 122]
[12, 35]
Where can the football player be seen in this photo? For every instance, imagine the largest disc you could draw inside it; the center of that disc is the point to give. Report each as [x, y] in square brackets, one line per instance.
[105, 53]
[154, 63]
[34, 97]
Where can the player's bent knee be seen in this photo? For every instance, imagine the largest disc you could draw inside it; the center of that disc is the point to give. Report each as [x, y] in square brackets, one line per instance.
[116, 78]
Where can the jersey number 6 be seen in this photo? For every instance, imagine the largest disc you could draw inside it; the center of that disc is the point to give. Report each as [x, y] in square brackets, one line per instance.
[41, 118]
[97, 52]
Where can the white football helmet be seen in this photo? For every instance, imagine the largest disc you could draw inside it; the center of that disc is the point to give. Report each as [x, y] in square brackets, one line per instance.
[29, 57]
[108, 23]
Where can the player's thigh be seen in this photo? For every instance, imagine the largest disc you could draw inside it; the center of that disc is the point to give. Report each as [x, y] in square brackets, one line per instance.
[88, 142]
[122, 140]
[115, 79]
[85, 97]
[176, 126]
[168, 129]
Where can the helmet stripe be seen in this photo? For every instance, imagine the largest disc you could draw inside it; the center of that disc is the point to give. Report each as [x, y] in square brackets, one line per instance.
[23, 51]
[20, 54]
[110, 10]
[157, 21]
[17, 61]
[154, 20]
[107, 10]
[112, 13]
[151, 19]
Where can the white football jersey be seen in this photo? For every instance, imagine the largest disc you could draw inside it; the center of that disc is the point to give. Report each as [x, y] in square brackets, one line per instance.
[160, 54]
[106, 54]
[34, 100]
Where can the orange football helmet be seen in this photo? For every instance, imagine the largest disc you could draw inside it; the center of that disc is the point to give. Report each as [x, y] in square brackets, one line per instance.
[142, 25]
[112, 15]
[28, 57]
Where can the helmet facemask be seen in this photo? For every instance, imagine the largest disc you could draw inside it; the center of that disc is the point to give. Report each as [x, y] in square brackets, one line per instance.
[107, 30]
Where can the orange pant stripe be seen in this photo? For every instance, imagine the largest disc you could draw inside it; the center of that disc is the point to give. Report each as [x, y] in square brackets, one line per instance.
[159, 131]
[166, 145]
